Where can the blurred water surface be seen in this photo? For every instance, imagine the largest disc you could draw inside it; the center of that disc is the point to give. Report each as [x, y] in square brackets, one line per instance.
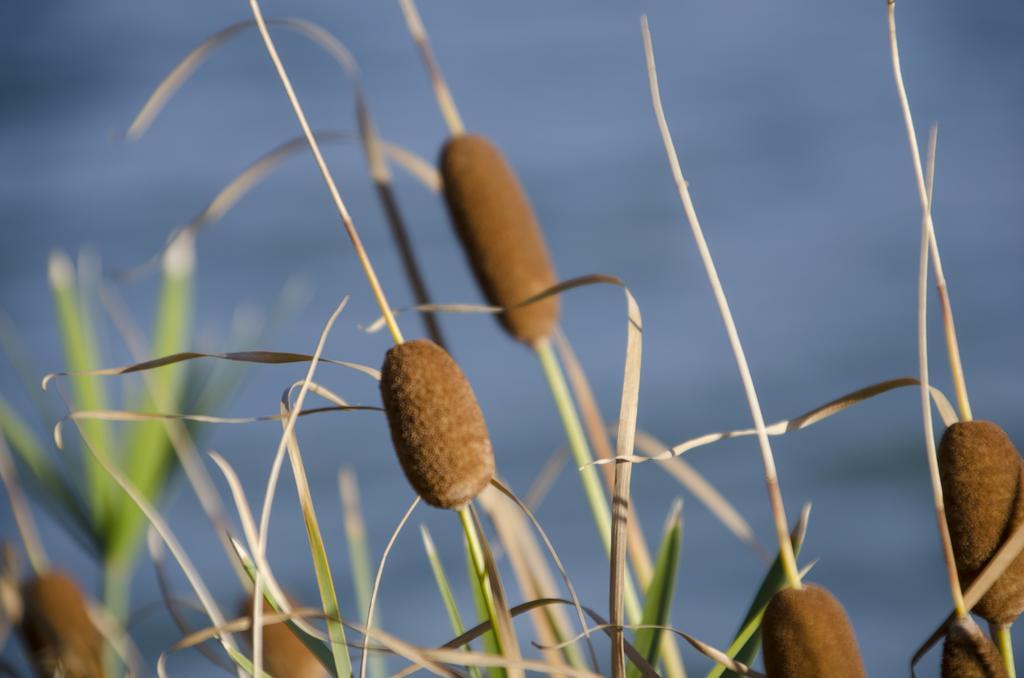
[789, 131]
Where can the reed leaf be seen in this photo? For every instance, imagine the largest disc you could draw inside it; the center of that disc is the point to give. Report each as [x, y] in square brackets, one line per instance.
[80, 355]
[319, 648]
[658, 599]
[445, 589]
[149, 451]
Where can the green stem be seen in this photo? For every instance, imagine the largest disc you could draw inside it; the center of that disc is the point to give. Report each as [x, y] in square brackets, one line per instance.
[117, 585]
[1001, 634]
[583, 458]
[476, 554]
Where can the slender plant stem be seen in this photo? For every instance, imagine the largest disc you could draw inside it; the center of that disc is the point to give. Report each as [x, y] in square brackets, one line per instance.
[771, 478]
[476, 555]
[583, 458]
[1004, 641]
[314, 147]
[445, 100]
[952, 346]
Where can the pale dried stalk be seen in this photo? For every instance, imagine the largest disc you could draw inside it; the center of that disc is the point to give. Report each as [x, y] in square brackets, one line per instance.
[771, 478]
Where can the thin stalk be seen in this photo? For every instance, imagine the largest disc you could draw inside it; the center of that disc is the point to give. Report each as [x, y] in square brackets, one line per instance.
[314, 147]
[952, 346]
[771, 478]
[476, 555]
[1004, 641]
[926, 410]
[584, 460]
[445, 101]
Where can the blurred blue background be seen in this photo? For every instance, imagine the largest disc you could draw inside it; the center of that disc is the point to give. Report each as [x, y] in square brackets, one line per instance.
[788, 128]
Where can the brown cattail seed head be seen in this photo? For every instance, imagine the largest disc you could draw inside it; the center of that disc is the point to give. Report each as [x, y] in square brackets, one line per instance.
[500, 234]
[983, 486]
[60, 636]
[436, 425]
[806, 634]
[283, 653]
[968, 653]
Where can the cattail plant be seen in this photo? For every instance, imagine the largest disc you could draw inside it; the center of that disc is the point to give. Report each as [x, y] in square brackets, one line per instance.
[283, 653]
[982, 480]
[426, 436]
[979, 503]
[969, 653]
[436, 425]
[806, 632]
[57, 629]
[505, 247]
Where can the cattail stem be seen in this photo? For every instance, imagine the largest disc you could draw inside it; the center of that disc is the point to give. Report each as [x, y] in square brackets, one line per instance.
[314, 147]
[476, 556]
[1004, 641]
[771, 479]
[952, 346]
[926, 404]
[445, 101]
[584, 459]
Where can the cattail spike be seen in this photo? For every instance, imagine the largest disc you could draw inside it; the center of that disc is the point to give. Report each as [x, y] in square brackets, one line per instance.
[983, 483]
[968, 653]
[61, 638]
[436, 424]
[807, 634]
[500, 234]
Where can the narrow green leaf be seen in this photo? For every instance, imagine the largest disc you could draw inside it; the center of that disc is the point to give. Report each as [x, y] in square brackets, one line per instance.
[319, 648]
[446, 592]
[747, 643]
[658, 601]
[80, 353]
[489, 639]
[149, 453]
[359, 557]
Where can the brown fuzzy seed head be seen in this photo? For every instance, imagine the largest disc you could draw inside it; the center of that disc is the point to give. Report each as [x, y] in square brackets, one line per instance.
[806, 634]
[283, 653]
[436, 424]
[499, 234]
[61, 638]
[983, 486]
[968, 653]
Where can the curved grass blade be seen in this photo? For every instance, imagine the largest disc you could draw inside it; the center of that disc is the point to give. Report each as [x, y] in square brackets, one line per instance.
[358, 554]
[806, 419]
[445, 590]
[260, 357]
[658, 600]
[150, 455]
[705, 492]
[319, 648]
[747, 642]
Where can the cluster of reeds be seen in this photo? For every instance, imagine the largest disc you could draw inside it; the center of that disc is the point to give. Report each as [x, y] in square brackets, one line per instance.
[443, 447]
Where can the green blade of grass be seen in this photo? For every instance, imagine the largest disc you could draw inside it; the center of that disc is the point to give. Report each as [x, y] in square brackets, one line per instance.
[81, 353]
[359, 556]
[149, 453]
[446, 592]
[489, 639]
[747, 642]
[658, 600]
[325, 583]
[319, 649]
